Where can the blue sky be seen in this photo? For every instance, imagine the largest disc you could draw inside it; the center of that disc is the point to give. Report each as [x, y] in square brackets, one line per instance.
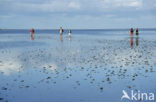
[77, 14]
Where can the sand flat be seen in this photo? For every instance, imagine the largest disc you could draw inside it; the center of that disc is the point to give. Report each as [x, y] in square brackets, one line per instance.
[87, 68]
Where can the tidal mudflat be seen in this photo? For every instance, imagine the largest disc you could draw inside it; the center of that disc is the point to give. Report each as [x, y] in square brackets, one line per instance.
[86, 68]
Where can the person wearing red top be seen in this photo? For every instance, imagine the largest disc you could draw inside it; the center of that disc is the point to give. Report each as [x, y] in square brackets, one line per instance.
[32, 31]
[131, 31]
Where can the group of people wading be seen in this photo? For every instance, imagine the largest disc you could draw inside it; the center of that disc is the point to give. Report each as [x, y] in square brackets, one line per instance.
[136, 38]
[132, 30]
[61, 34]
[32, 31]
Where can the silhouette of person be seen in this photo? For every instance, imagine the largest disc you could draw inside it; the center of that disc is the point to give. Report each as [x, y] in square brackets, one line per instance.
[32, 31]
[137, 32]
[131, 31]
[69, 34]
[61, 31]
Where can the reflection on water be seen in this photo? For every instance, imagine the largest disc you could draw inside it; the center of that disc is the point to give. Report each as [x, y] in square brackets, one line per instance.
[131, 42]
[137, 41]
[32, 36]
[69, 38]
[8, 67]
[69, 71]
[61, 37]
[69, 34]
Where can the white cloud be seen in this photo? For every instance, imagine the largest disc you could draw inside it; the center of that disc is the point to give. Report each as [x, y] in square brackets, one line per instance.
[6, 16]
[74, 5]
[136, 3]
[120, 3]
[47, 6]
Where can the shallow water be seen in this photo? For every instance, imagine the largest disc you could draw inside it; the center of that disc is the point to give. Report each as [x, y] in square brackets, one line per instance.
[86, 68]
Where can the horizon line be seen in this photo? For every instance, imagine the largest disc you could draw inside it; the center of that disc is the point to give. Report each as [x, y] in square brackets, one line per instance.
[76, 28]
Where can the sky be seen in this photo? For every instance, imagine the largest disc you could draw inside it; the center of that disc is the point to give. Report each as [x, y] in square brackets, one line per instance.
[77, 14]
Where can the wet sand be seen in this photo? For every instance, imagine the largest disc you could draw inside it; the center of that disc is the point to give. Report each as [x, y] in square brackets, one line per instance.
[83, 69]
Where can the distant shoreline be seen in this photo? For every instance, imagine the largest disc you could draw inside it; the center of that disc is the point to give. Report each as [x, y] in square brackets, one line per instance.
[82, 29]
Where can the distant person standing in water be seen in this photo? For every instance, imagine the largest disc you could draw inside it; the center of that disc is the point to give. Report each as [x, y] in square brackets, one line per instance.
[131, 32]
[69, 33]
[32, 31]
[61, 34]
[137, 32]
[61, 31]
